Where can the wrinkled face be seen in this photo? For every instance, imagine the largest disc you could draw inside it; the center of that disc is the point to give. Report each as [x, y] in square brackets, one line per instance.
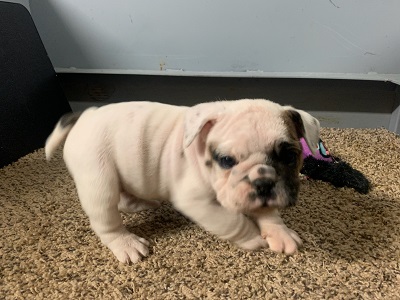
[254, 159]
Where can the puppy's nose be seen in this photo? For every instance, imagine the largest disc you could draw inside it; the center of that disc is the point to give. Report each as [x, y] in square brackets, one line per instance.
[263, 186]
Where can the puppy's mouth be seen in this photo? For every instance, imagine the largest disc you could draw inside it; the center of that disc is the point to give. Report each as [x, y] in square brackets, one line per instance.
[269, 200]
[266, 193]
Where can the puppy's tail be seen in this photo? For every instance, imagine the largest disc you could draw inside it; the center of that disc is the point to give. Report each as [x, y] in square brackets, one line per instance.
[60, 132]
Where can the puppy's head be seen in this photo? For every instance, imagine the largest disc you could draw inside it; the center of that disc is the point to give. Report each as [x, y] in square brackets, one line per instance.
[251, 150]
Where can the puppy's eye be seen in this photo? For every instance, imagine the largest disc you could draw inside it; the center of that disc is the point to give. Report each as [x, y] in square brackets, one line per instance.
[289, 158]
[288, 155]
[225, 161]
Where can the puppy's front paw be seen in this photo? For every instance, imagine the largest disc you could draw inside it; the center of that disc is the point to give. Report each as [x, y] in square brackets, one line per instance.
[129, 248]
[281, 239]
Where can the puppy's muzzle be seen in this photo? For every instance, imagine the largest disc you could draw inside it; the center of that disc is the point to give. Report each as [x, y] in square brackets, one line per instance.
[263, 181]
[264, 189]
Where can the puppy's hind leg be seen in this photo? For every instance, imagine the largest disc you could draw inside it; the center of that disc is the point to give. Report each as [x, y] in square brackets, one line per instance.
[98, 190]
[131, 204]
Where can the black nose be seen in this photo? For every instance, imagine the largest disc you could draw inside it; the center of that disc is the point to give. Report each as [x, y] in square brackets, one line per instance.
[263, 186]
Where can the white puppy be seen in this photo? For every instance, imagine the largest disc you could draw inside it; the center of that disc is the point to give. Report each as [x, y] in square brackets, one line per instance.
[219, 163]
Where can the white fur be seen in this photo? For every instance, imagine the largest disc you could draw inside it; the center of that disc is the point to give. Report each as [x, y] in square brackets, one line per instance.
[125, 156]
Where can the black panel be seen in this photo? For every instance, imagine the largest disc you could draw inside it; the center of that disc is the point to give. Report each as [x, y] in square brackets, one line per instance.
[31, 99]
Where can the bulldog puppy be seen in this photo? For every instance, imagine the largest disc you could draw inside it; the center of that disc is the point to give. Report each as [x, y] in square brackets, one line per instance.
[222, 164]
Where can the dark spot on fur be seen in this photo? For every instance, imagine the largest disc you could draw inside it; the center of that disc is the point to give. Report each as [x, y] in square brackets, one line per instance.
[292, 184]
[286, 159]
[208, 163]
[252, 196]
[294, 122]
[70, 118]
[246, 179]
[287, 165]
[289, 154]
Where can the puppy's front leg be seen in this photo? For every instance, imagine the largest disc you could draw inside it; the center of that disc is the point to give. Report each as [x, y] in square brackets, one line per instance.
[280, 238]
[211, 216]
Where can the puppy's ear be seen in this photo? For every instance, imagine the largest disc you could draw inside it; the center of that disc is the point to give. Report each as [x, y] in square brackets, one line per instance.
[305, 125]
[200, 116]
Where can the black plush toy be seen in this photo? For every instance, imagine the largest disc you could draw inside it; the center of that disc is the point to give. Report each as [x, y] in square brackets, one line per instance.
[325, 167]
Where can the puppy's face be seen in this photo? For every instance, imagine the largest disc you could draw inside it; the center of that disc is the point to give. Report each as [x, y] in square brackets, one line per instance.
[254, 156]
[253, 161]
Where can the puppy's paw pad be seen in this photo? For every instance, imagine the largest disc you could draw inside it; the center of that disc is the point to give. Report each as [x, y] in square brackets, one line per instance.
[129, 248]
[254, 244]
[282, 239]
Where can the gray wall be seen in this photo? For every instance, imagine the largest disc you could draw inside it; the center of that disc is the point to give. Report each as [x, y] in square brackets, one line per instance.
[358, 39]
[275, 38]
